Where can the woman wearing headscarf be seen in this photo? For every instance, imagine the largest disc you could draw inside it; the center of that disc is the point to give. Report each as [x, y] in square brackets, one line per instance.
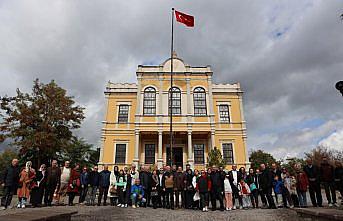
[26, 177]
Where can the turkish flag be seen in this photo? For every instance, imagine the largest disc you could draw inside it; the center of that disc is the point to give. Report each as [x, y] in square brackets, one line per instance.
[188, 20]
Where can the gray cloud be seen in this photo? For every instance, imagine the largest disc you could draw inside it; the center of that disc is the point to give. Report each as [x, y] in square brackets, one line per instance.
[287, 56]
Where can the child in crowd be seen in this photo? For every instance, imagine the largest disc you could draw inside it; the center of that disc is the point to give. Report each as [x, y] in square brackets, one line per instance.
[287, 182]
[277, 186]
[137, 194]
[228, 193]
[244, 192]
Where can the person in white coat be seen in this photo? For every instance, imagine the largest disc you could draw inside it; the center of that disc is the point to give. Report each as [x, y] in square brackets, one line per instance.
[228, 193]
[112, 192]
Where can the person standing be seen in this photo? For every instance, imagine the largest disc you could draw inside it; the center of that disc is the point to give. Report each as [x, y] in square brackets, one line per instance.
[92, 186]
[312, 172]
[155, 186]
[168, 188]
[53, 181]
[145, 180]
[26, 177]
[37, 191]
[278, 189]
[260, 192]
[275, 171]
[179, 179]
[251, 181]
[228, 193]
[339, 178]
[235, 176]
[302, 183]
[217, 190]
[204, 186]
[189, 192]
[196, 203]
[113, 191]
[104, 184]
[161, 194]
[84, 179]
[266, 184]
[327, 179]
[73, 184]
[244, 192]
[10, 180]
[121, 188]
[65, 177]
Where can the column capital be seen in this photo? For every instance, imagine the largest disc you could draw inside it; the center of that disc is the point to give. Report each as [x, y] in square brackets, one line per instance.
[136, 132]
[160, 132]
[189, 132]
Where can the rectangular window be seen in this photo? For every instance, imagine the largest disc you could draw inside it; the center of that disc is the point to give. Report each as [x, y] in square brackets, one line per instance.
[123, 114]
[120, 154]
[228, 153]
[224, 114]
[199, 157]
[149, 153]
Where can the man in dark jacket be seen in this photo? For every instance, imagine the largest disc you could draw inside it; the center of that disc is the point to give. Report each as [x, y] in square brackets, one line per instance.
[327, 179]
[168, 187]
[10, 183]
[217, 190]
[84, 180]
[266, 184]
[93, 184]
[53, 182]
[145, 178]
[312, 172]
[179, 179]
[104, 184]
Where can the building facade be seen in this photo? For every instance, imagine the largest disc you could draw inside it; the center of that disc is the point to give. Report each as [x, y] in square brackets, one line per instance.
[205, 115]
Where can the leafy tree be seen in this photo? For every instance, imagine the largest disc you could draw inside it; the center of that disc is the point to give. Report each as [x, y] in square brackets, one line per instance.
[257, 157]
[78, 151]
[39, 123]
[215, 158]
[319, 152]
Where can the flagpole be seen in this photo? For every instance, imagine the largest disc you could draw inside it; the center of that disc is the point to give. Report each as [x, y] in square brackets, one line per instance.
[171, 88]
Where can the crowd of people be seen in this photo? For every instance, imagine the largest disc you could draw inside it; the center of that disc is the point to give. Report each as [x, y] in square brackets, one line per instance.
[173, 187]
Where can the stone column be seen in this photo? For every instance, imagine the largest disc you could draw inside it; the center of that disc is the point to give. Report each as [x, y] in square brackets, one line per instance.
[136, 157]
[213, 142]
[190, 149]
[160, 151]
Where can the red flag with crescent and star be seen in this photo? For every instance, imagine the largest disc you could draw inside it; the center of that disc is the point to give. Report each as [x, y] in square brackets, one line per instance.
[188, 20]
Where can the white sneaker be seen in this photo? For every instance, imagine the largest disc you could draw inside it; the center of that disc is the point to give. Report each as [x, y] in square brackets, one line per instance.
[230, 209]
[125, 205]
[2, 208]
[137, 206]
[330, 205]
[291, 207]
[23, 206]
[18, 206]
[122, 206]
[240, 207]
[336, 204]
[227, 209]
[119, 205]
[204, 209]
[234, 207]
[133, 206]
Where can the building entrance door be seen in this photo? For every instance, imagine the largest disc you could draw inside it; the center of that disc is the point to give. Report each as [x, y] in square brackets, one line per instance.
[177, 156]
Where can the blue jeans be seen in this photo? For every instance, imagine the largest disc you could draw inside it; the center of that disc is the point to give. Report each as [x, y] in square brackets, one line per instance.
[302, 198]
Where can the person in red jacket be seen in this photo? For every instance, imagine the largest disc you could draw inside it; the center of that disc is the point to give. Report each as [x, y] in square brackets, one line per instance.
[203, 187]
[73, 184]
[302, 184]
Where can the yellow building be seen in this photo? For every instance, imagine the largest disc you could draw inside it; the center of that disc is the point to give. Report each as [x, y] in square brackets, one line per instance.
[205, 115]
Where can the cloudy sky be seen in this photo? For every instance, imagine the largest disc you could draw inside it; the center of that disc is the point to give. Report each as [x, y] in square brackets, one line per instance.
[286, 54]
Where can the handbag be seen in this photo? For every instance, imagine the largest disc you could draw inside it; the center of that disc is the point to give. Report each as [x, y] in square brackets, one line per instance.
[196, 196]
[252, 186]
[113, 190]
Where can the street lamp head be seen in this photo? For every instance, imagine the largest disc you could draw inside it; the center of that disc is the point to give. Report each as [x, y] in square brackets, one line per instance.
[339, 86]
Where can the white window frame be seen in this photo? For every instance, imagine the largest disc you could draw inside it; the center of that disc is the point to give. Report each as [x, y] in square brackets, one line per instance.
[233, 149]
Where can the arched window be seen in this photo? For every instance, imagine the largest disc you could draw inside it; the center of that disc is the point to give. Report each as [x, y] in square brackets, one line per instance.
[149, 102]
[199, 99]
[175, 106]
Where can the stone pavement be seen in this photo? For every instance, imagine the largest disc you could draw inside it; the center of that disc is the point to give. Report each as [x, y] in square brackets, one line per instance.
[129, 214]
